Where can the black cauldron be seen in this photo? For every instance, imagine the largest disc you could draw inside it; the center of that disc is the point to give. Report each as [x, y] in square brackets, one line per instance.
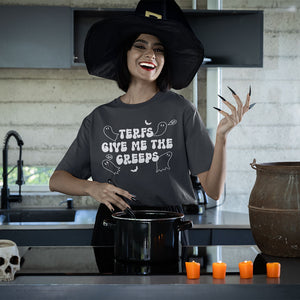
[153, 236]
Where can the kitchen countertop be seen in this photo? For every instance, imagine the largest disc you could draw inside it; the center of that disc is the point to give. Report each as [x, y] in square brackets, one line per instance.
[219, 219]
[84, 219]
[161, 287]
[176, 287]
[109, 286]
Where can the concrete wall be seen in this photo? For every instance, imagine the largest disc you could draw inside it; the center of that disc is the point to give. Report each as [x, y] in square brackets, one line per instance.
[185, 4]
[271, 131]
[47, 106]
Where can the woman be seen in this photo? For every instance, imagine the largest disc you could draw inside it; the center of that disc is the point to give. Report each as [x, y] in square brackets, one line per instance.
[141, 148]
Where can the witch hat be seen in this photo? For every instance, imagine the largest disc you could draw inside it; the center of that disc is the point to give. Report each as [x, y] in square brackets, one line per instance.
[162, 18]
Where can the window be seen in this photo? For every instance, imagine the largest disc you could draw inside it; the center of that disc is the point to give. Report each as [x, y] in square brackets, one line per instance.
[36, 178]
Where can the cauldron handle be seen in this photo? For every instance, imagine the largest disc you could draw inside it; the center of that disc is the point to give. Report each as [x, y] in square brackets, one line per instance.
[109, 223]
[184, 225]
[253, 164]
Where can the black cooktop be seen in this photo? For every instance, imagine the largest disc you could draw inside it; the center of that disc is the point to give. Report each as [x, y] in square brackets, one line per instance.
[87, 260]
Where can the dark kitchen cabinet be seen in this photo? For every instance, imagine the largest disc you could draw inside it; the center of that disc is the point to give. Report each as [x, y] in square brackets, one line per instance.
[217, 236]
[49, 237]
[83, 236]
[230, 38]
[35, 37]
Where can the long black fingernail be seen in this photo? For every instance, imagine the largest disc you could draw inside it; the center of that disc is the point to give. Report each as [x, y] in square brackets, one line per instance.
[232, 91]
[250, 90]
[222, 98]
[251, 105]
[218, 109]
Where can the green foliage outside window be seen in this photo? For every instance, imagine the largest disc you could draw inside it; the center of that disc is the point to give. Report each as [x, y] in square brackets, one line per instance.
[32, 175]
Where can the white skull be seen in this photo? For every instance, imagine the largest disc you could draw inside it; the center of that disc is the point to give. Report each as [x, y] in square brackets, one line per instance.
[9, 260]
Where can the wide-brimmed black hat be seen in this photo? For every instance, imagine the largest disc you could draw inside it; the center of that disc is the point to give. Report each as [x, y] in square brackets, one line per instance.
[162, 18]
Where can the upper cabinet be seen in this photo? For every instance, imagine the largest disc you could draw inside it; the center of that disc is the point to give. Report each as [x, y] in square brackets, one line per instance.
[53, 37]
[35, 37]
[230, 38]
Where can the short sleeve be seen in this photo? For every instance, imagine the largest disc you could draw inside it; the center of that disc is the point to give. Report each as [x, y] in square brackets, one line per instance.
[77, 159]
[199, 147]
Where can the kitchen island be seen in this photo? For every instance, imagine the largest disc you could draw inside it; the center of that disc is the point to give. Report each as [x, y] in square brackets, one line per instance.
[57, 281]
[79, 277]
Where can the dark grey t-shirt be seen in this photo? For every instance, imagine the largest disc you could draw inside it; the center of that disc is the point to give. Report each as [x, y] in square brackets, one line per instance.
[149, 149]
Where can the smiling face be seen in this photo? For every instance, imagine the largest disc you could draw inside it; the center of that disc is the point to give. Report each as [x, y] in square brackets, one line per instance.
[146, 58]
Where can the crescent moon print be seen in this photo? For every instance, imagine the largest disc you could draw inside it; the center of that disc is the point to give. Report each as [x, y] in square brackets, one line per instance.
[134, 170]
[110, 166]
[147, 123]
[163, 162]
[108, 132]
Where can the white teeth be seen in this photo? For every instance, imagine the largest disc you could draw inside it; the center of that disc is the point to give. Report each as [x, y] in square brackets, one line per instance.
[147, 65]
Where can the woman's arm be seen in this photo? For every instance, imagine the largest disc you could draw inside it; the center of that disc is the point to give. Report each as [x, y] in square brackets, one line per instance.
[213, 180]
[64, 182]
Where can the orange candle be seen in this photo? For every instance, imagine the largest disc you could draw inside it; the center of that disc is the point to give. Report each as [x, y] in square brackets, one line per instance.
[246, 269]
[192, 270]
[219, 270]
[273, 269]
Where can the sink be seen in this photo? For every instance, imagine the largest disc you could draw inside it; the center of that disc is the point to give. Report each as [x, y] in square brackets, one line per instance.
[37, 215]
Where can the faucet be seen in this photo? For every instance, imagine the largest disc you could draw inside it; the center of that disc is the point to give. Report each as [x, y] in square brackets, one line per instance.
[6, 198]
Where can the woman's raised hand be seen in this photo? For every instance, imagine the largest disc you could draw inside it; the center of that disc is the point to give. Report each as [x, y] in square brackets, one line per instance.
[237, 112]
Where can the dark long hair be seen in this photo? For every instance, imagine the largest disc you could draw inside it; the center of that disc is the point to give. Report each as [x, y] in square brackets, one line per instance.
[124, 77]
